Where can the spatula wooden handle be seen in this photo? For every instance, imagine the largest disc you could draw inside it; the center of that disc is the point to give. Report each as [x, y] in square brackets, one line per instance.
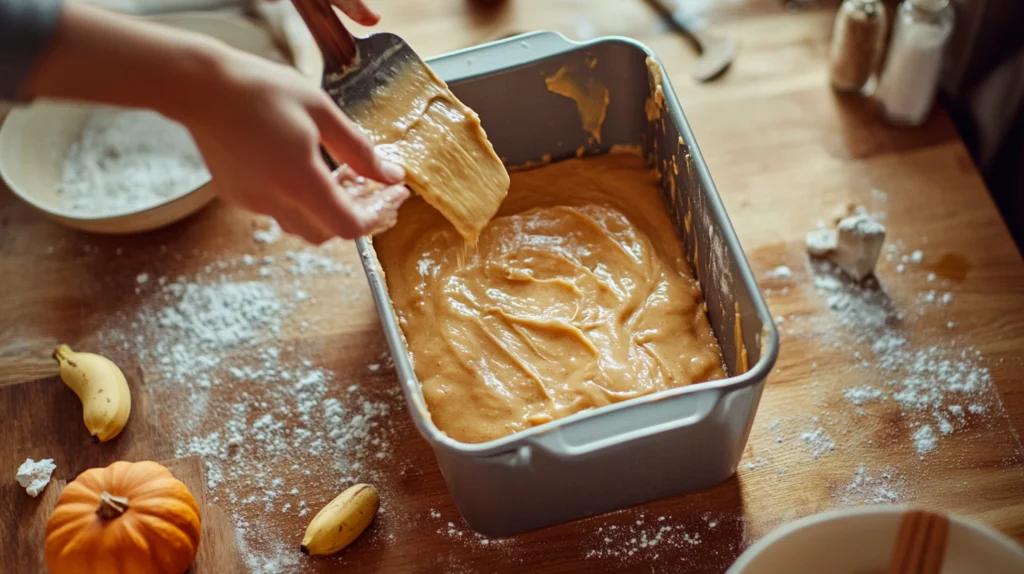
[335, 41]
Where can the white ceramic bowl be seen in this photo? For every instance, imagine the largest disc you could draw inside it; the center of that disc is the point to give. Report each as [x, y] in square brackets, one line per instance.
[34, 141]
[860, 541]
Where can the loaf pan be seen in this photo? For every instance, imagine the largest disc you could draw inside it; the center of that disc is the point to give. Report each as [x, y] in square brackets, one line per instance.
[638, 450]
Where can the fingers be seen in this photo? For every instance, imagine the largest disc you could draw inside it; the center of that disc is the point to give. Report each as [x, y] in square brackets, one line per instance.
[358, 11]
[349, 145]
[378, 203]
[351, 208]
[317, 205]
[295, 222]
[241, 194]
[384, 207]
[323, 202]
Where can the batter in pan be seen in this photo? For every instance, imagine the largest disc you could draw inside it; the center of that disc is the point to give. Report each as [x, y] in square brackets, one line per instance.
[576, 295]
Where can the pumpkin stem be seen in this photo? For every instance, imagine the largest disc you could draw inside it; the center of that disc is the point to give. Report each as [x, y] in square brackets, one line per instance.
[111, 506]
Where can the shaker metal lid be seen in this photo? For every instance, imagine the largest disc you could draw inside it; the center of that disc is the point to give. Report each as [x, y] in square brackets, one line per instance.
[867, 7]
[929, 5]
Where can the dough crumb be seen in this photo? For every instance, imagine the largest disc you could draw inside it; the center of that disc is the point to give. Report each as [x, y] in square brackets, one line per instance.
[821, 242]
[33, 475]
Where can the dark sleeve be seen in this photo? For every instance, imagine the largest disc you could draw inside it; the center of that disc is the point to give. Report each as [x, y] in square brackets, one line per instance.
[25, 30]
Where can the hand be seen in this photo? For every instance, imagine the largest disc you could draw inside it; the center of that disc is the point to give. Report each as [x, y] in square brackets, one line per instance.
[355, 9]
[284, 175]
[259, 126]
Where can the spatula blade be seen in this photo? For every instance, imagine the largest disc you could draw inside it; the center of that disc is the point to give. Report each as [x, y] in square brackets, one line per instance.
[379, 59]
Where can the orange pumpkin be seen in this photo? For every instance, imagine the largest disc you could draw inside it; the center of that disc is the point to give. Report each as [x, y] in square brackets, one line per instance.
[130, 518]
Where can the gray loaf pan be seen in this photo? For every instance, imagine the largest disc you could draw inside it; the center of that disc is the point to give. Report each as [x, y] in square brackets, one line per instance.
[638, 450]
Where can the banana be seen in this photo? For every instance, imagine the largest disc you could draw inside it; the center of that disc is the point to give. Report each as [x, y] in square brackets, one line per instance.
[342, 521]
[102, 388]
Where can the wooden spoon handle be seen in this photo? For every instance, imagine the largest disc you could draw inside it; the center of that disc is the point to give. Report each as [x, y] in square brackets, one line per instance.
[920, 543]
[680, 26]
[335, 41]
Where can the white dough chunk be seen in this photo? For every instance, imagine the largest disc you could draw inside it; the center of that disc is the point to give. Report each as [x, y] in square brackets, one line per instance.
[858, 245]
[33, 475]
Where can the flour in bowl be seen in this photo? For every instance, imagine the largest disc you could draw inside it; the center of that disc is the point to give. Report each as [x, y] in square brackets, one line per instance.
[127, 160]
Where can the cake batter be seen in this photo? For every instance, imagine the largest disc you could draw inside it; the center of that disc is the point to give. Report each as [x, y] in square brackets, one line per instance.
[418, 123]
[577, 295]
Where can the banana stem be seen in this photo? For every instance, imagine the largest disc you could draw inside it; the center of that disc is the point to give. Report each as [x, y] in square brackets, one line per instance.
[111, 506]
[62, 352]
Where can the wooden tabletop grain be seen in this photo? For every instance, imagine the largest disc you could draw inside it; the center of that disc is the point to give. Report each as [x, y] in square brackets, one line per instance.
[784, 152]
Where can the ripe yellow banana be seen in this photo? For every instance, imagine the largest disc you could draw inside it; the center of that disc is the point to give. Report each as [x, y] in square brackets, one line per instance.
[102, 388]
[341, 521]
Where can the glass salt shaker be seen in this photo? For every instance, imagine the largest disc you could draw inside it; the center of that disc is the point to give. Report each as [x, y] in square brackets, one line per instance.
[906, 92]
[857, 41]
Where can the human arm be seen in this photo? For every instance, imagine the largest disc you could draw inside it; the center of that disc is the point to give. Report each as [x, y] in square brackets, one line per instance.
[258, 124]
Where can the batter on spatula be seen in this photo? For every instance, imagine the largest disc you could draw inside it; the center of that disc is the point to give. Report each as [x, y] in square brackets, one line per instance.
[417, 122]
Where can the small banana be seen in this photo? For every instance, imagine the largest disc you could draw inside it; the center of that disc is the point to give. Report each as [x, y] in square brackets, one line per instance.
[102, 388]
[342, 521]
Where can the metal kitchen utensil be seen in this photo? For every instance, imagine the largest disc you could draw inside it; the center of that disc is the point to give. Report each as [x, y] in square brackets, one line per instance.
[639, 450]
[354, 68]
[716, 53]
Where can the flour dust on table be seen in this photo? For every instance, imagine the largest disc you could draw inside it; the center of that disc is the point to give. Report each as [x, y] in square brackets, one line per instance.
[128, 160]
[925, 379]
[224, 387]
[928, 380]
[885, 487]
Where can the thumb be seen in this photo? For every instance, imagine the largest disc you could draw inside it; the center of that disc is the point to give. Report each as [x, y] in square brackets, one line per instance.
[358, 11]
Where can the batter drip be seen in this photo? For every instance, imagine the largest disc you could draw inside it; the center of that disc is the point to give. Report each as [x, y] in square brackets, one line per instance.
[577, 295]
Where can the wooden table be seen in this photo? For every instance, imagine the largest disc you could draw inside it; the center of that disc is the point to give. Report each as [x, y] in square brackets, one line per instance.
[784, 151]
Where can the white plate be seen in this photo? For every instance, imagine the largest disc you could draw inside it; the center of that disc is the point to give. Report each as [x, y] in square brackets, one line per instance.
[34, 141]
[860, 541]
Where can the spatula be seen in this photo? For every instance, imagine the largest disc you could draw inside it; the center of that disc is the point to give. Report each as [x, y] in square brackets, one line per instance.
[354, 68]
[412, 119]
[716, 53]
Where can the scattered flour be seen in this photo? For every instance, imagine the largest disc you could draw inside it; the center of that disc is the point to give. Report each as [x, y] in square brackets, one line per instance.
[924, 440]
[269, 235]
[225, 388]
[129, 160]
[863, 394]
[862, 310]
[221, 315]
[270, 556]
[758, 462]
[819, 441]
[624, 541]
[456, 532]
[306, 263]
[924, 381]
[886, 488]
[780, 272]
